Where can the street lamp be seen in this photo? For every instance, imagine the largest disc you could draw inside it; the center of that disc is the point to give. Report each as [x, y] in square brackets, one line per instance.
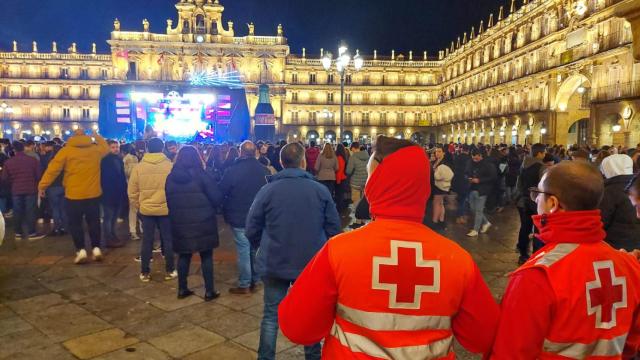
[5, 110]
[342, 66]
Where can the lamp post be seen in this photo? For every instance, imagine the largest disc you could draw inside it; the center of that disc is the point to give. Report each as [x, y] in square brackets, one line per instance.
[5, 110]
[342, 64]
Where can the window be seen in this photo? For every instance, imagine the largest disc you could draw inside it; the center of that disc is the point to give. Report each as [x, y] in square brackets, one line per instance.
[330, 79]
[45, 72]
[295, 117]
[86, 113]
[313, 116]
[330, 97]
[294, 97]
[400, 117]
[65, 92]
[64, 73]
[85, 93]
[104, 74]
[365, 119]
[294, 78]
[347, 117]
[383, 119]
[66, 113]
[347, 98]
[312, 78]
[84, 74]
[348, 79]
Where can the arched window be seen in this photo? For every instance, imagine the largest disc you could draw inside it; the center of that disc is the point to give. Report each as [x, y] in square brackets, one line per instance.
[201, 28]
[186, 28]
[214, 28]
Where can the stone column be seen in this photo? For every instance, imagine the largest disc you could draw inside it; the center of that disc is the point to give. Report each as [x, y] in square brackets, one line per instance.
[631, 12]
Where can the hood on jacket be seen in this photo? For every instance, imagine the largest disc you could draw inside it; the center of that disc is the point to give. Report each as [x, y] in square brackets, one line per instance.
[154, 158]
[80, 141]
[529, 161]
[361, 155]
[400, 186]
[616, 165]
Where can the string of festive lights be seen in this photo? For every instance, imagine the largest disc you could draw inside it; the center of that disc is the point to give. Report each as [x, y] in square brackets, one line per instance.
[214, 78]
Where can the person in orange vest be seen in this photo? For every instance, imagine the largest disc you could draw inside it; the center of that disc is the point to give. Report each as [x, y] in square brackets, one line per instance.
[393, 289]
[577, 297]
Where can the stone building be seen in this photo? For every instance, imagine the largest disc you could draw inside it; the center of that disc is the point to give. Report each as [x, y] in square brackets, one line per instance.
[556, 71]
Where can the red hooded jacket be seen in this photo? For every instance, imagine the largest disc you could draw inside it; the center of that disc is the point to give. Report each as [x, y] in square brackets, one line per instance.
[394, 288]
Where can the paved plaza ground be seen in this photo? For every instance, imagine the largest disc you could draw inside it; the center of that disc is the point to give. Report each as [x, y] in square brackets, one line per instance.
[52, 309]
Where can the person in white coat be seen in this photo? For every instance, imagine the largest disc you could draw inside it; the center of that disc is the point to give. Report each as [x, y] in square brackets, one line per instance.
[441, 185]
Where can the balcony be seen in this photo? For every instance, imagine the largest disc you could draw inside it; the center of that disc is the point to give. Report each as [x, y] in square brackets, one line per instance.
[618, 91]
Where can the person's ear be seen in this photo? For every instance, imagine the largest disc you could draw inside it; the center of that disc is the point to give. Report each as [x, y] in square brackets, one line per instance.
[554, 204]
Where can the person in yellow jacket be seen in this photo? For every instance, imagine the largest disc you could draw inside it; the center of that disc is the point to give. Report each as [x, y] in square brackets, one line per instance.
[147, 193]
[80, 161]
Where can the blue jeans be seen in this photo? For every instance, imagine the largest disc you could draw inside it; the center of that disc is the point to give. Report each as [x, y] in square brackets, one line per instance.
[149, 225]
[246, 259]
[206, 265]
[24, 213]
[274, 292]
[110, 215]
[56, 201]
[477, 203]
[4, 204]
[462, 204]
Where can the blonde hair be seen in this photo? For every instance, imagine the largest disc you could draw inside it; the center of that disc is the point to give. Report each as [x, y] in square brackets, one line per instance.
[328, 151]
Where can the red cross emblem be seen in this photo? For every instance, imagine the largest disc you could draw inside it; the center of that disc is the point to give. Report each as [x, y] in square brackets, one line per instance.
[406, 275]
[606, 294]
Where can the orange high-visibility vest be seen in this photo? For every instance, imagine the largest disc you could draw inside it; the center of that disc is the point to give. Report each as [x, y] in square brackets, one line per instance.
[596, 296]
[415, 280]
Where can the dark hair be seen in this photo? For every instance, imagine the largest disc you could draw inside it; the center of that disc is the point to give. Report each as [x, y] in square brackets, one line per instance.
[537, 149]
[355, 145]
[548, 157]
[111, 142]
[29, 143]
[577, 185]
[386, 146]
[232, 154]
[18, 146]
[188, 158]
[155, 145]
[292, 155]
[476, 152]
[128, 149]
[171, 143]
[341, 151]
[312, 143]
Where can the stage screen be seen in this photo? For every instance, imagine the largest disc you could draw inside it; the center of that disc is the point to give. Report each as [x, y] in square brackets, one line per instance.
[176, 113]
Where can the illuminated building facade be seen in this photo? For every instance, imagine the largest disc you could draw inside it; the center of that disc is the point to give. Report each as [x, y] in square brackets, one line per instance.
[557, 71]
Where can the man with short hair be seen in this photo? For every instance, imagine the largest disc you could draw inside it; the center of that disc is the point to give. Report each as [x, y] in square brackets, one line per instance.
[576, 298]
[239, 185]
[30, 149]
[147, 193]
[171, 150]
[290, 220]
[80, 163]
[22, 173]
[393, 289]
[482, 177]
[114, 193]
[530, 175]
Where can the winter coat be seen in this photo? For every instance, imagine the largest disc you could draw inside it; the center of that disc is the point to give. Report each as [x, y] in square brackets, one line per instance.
[80, 161]
[357, 169]
[113, 179]
[513, 170]
[442, 176]
[290, 220]
[147, 185]
[530, 175]
[326, 168]
[340, 173]
[192, 198]
[460, 183]
[130, 161]
[22, 173]
[312, 154]
[239, 186]
[487, 173]
[619, 215]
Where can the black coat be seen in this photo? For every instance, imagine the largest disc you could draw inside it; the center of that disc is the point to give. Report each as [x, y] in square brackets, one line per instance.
[113, 180]
[487, 173]
[240, 184]
[619, 215]
[192, 198]
[460, 182]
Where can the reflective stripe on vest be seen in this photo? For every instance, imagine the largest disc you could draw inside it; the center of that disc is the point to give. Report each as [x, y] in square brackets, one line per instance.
[393, 322]
[360, 344]
[555, 255]
[601, 347]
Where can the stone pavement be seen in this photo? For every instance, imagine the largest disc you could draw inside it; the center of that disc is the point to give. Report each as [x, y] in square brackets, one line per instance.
[53, 309]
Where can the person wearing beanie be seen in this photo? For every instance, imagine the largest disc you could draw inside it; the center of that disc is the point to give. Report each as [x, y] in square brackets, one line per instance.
[392, 289]
[146, 192]
[618, 215]
[577, 297]
[80, 161]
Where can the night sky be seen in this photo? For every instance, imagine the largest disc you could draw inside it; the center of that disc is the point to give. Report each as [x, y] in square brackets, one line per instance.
[402, 25]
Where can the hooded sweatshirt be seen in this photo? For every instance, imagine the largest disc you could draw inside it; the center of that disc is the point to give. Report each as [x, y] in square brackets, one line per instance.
[616, 165]
[80, 161]
[339, 281]
[147, 185]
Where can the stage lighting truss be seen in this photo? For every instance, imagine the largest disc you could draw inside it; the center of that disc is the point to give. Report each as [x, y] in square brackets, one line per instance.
[231, 79]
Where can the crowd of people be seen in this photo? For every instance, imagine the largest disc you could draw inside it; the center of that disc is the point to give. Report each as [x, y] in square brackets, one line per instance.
[287, 204]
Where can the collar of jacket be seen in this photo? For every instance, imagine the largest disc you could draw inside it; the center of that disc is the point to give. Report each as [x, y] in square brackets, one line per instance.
[244, 158]
[620, 179]
[155, 158]
[576, 227]
[289, 174]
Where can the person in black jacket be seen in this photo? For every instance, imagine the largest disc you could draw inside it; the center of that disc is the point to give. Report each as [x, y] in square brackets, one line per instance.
[482, 177]
[530, 175]
[55, 195]
[240, 184]
[618, 214]
[192, 197]
[114, 193]
[460, 184]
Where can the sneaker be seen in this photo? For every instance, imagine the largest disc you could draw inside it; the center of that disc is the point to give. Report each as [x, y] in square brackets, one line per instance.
[171, 275]
[139, 259]
[97, 254]
[157, 249]
[18, 236]
[36, 236]
[485, 228]
[9, 214]
[134, 236]
[145, 277]
[81, 257]
[472, 233]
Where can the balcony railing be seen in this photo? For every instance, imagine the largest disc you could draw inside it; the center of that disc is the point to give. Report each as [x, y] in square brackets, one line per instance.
[292, 60]
[54, 56]
[504, 110]
[618, 91]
